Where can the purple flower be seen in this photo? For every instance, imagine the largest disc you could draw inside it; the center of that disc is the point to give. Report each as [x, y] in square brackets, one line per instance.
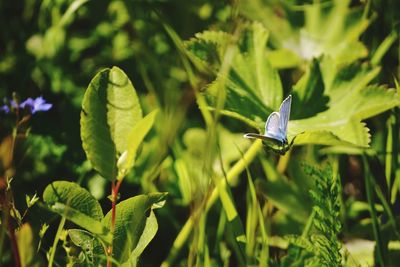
[5, 109]
[35, 105]
[13, 104]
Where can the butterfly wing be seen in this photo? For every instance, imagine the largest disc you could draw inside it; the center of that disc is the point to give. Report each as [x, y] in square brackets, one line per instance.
[272, 128]
[255, 136]
[284, 112]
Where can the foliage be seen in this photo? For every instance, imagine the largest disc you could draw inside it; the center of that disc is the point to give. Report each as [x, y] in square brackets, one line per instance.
[171, 87]
[319, 244]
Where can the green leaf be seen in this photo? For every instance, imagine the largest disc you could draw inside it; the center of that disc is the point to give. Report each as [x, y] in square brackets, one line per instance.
[309, 92]
[110, 111]
[134, 139]
[90, 246]
[337, 122]
[254, 88]
[293, 204]
[26, 247]
[130, 224]
[341, 124]
[148, 234]
[77, 205]
[283, 58]
[123, 108]
[331, 28]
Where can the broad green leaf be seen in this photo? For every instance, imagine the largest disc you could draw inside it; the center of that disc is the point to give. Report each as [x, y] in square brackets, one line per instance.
[341, 82]
[148, 234]
[110, 111]
[77, 205]
[283, 58]
[337, 99]
[74, 196]
[123, 108]
[130, 223]
[134, 139]
[342, 122]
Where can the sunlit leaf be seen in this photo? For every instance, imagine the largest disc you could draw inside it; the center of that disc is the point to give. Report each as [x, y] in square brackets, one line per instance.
[130, 224]
[328, 28]
[110, 111]
[254, 88]
[133, 139]
[77, 205]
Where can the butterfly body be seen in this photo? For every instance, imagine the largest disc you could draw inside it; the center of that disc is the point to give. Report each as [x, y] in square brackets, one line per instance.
[276, 124]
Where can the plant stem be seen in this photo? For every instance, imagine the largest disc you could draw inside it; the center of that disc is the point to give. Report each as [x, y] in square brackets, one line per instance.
[14, 244]
[114, 196]
[310, 221]
[374, 219]
[186, 230]
[56, 238]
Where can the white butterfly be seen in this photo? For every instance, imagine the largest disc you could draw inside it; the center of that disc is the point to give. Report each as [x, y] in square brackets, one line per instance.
[276, 125]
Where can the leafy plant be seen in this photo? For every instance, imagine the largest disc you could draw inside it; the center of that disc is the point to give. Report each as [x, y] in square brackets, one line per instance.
[112, 129]
[203, 74]
[332, 118]
[319, 244]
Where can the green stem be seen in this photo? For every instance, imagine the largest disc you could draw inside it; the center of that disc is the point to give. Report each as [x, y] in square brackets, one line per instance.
[233, 173]
[310, 221]
[374, 218]
[55, 242]
[114, 194]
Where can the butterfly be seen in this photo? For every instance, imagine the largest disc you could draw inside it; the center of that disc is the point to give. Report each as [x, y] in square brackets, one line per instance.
[276, 125]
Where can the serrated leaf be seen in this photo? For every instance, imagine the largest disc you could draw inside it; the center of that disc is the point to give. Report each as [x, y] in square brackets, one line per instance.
[207, 47]
[130, 223]
[110, 110]
[77, 205]
[312, 39]
[254, 88]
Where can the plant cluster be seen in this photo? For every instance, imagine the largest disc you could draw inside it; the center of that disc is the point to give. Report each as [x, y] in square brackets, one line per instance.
[122, 123]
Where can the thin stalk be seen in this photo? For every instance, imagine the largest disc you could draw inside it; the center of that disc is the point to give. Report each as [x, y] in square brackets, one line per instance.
[310, 221]
[17, 259]
[7, 200]
[186, 230]
[284, 162]
[2, 234]
[114, 196]
[374, 218]
[56, 238]
[389, 149]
